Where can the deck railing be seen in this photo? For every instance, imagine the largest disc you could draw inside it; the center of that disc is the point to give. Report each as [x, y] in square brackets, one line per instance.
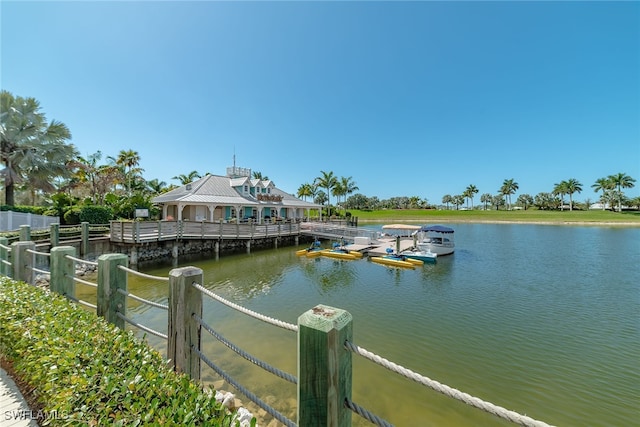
[154, 231]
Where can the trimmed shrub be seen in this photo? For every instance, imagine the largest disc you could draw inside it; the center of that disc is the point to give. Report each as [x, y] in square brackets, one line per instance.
[89, 372]
[72, 216]
[96, 214]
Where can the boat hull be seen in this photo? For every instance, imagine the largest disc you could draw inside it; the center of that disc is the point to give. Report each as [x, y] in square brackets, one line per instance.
[393, 262]
[422, 256]
[339, 255]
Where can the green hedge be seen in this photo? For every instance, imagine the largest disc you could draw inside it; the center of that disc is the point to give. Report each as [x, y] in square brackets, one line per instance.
[89, 372]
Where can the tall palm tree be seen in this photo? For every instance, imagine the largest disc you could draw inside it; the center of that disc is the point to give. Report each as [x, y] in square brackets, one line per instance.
[328, 181]
[156, 186]
[561, 189]
[186, 179]
[486, 199]
[446, 199]
[572, 186]
[348, 186]
[470, 191]
[602, 184]
[620, 181]
[129, 161]
[509, 187]
[29, 145]
[306, 190]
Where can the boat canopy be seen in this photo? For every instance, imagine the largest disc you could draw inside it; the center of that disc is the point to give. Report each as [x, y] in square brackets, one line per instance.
[400, 227]
[437, 228]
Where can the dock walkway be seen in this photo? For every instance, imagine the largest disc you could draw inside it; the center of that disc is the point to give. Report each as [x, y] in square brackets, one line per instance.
[14, 410]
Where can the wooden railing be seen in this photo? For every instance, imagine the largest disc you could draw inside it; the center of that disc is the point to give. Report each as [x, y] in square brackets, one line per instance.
[154, 231]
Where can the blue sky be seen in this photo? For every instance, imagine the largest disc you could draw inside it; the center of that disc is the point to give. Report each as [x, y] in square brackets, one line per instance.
[407, 98]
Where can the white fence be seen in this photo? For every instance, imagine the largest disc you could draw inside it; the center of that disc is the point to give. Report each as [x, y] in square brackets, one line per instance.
[10, 221]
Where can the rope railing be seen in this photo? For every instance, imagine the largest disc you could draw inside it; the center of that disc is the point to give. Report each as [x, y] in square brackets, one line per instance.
[31, 251]
[84, 282]
[146, 276]
[264, 365]
[255, 399]
[84, 261]
[39, 270]
[372, 418]
[141, 326]
[256, 315]
[5, 247]
[79, 301]
[142, 300]
[496, 410]
[5, 262]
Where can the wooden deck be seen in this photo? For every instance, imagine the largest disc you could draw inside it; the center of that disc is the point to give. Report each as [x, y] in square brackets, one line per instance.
[155, 231]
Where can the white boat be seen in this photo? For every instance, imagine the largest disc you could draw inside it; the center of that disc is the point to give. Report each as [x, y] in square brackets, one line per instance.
[424, 256]
[437, 239]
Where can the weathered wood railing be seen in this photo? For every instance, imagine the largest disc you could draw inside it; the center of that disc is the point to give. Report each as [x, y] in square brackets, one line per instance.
[153, 231]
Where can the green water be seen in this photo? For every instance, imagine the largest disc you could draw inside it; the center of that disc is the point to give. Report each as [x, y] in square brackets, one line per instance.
[542, 320]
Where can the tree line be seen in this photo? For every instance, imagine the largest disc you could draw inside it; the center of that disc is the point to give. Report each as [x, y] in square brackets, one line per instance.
[41, 168]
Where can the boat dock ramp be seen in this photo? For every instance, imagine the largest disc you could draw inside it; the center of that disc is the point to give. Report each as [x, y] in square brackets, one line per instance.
[368, 242]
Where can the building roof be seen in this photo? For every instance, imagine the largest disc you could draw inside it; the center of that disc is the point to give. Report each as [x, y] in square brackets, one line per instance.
[219, 190]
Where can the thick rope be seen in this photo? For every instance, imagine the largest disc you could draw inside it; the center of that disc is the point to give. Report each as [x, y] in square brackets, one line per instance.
[5, 262]
[37, 270]
[140, 326]
[372, 418]
[255, 399]
[79, 301]
[506, 414]
[142, 300]
[264, 365]
[31, 251]
[266, 319]
[84, 261]
[84, 282]
[5, 247]
[146, 276]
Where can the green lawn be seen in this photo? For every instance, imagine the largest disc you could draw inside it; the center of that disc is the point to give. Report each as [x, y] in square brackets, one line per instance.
[498, 216]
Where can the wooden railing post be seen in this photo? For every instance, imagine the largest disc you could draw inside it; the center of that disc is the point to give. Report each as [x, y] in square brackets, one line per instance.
[5, 269]
[84, 235]
[110, 279]
[22, 261]
[184, 332]
[324, 367]
[25, 233]
[54, 235]
[62, 271]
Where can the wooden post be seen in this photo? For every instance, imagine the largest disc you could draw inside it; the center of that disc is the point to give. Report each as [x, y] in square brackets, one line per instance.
[62, 271]
[22, 261]
[5, 269]
[184, 331]
[54, 235]
[110, 279]
[324, 367]
[84, 242]
[25, 233]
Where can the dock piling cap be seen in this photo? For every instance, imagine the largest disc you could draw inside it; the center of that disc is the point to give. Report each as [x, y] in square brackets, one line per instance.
[323, 317]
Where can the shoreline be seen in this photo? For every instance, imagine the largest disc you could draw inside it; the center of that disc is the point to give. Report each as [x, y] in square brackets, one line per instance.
[495, 221]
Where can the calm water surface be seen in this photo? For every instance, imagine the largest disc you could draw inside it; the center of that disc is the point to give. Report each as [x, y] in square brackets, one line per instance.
[540, 319]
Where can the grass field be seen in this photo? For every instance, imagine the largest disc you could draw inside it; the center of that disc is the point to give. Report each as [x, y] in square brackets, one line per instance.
[530, 216]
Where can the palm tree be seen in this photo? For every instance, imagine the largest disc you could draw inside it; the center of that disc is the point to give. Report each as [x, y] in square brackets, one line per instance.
[561, 189]
[620, 181]
[258, 175]
[486, 199]
[470, 192]
[509, 187]
[446, 199]
[328, 181]
[306, 190]
[525, 200]
[29, 145]
[572, 186]
[186, 179]
[602, 184]
[129, 160]
[156, 186]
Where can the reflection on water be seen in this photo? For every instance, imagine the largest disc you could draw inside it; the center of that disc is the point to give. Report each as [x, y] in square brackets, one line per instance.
[542, 320]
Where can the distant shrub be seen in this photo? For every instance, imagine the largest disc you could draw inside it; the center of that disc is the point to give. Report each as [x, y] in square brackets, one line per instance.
[72, 216]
